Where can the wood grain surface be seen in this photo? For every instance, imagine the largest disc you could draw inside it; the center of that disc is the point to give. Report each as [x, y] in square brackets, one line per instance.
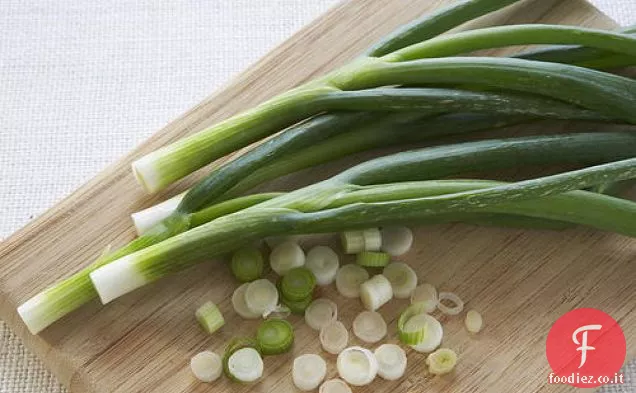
[520, 280]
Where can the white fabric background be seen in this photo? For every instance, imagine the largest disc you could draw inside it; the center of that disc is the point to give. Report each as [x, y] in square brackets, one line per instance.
[82, 82]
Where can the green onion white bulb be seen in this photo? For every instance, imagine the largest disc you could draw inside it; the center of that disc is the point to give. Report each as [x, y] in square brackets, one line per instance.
[396, 240]
[320, 313]
[391, 361]
[349, 278]
[323, 263]
[403, 279]
[369, 326]
[357, 366]
[375, 292]
[308, 371]
[334, 337]
[206, 366]
[286, 256]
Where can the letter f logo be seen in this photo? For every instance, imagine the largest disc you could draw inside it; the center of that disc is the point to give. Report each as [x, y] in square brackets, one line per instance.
[583, 343]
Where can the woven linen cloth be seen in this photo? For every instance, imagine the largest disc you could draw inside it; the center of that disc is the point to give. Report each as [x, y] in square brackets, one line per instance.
[82, 82]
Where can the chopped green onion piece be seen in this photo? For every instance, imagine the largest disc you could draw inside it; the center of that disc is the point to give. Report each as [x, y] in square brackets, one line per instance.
[239, 305]
[369, 326]
[352, 242]
[358, 366]
[412, 337]
[403, 279]
[247, 264]
[335, 385]
[391, 361]
[375, 292]
[206, 366]
[372, 239]
[434, 332]
[210, 317]
[334, 337]
[308, 371]
[286, 256]
[458, 304]
[261, 297]
[373, 259]
[320, 313]
[297, 306]
[441, 361]
[396, 240]
[297, 284]
[237, 368]
[275, 336]
[474, 321]
[323, 263]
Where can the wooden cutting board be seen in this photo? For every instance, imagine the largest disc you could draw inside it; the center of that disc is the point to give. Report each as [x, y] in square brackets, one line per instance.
[520, 280]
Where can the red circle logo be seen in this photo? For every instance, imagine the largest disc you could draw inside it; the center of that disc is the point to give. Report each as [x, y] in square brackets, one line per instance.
[585, 348]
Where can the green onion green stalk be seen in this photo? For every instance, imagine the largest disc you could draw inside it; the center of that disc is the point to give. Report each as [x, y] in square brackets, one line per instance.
[607, 94]
[335, 205]
[431, 163]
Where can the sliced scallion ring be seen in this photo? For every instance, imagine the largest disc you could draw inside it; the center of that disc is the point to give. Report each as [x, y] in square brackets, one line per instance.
[396, 240]
[297, 307]
[357, 366]
[286, 256]
[335, 385]
[297, 284]
[451, 297]
[206, 366]
[426, 294]
[373, 259]
[375, 292]
[275, 336]
[352, 242]
[334, 337]
[442, 361]
[434, 332]
[413, 333]
[241, 361]
[209, 317]
[320, 313]
[391, 361]
[308, 371]
[238, 303]
[403, 279]
[261, 297]
[369, 326]
[247, 264]
[349, 278]
[474, 321]
[323, 263]
[372, 239]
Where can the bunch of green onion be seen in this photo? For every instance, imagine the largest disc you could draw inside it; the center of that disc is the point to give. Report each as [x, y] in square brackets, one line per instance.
[411, 87]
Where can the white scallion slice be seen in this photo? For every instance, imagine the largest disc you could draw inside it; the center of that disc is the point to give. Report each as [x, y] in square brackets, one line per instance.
[323, 263]
[334, 337]
[442, 361]
[375, 292]
[349, 278]
[239, 305]
[335, 385]
[372, 239]
[458, 304]
[474, 321]
[369, 326]
[433, 332]
[427, 295]
[391, 361]
[357, 366]
[352, 242]
[206, 366]
[373, 259]
[308, 371]
[286, 256]
[403, 279]
[396, 240]
[320, 313]
[245, 365]
[209, 317]
[261, 297]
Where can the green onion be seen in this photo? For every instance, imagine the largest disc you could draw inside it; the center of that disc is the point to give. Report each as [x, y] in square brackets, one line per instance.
[297, 284]
[57, 301]
[436, 23]
[275, 336]
[500, 36]
[247, 264]
[411, 337]
[247, 366]
[297, 306]
[352, 242]
[210, 317]
[373, 259]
